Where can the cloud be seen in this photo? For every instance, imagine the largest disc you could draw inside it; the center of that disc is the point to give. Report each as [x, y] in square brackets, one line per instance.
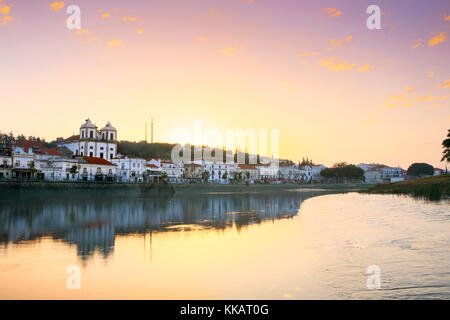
[230, 51]
[341, 66]
[410, 88]
[140, 31]
[5, 9]
[331, 12]
[5, 20]
[105, 15]
[349, 38]
[57, 5]
[115, 43]
[447, 18]
[398, 101]
[83, 31]
[326, 62]
[337, 43]
[437, 39]
[418, 43]
[305, 54]
[446, 84]
[434, 105]
[429, 98]
[334, 65]
[129, 19]
[202, 38]
[364, 68]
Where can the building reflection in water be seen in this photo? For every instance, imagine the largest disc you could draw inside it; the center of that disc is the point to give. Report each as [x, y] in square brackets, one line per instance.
[93, 223]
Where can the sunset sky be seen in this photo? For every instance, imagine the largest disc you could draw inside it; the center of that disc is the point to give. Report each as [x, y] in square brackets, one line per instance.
[336, 90]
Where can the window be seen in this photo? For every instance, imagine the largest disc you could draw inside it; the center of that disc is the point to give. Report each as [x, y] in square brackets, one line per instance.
[111, 156]
[101, 154]
[91, 154]
[82, 134]
[112, 136]
[101, 148]
[112, 149]
[81, 153]
[91, 147]
[91, 134]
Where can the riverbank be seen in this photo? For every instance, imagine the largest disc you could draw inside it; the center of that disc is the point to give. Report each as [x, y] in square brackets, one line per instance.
[143, 189]
[433, 188]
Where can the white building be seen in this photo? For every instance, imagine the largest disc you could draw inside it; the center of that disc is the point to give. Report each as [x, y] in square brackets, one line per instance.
[5, 167]
[173, 172]
[383, 174]
[218, 171]
[130, 168]
[316, 170]
[92, 142]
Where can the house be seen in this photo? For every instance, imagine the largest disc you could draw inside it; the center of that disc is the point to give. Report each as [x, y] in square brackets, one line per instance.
[5, 167]
[130, 168]
[153, 172]
[268, 171]
[246, 172]
[193, 171]
[96, 169]
[218, 171]
[92, 142]
[173, 172]
[306, 173]
[383, 174]
[438, 172]
[316, 170]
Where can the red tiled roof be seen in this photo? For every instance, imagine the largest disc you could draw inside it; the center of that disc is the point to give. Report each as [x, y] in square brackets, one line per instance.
[72, 138]
[26, 145]
[93, 160]
[55, 151]
[192, 165]
[377, 167]
[151, 165]
[247, 167]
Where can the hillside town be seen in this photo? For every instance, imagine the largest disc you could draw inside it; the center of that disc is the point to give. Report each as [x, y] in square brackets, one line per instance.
[92, 155]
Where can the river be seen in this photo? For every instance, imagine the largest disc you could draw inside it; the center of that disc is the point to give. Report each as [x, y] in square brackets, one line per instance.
[285, 245]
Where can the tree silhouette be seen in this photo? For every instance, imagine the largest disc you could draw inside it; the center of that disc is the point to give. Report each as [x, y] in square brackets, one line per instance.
[446, 146]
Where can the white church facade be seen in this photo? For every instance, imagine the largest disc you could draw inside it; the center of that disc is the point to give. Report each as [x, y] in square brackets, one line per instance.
[92, 142]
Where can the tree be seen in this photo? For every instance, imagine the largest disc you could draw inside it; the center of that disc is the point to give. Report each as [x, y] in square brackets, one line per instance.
[446, 146]
[341, 171]
[73, 171]
[420, 169]
[205, 176]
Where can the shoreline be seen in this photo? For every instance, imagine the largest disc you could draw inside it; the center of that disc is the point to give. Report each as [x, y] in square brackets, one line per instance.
[432, 188]
[9, 188]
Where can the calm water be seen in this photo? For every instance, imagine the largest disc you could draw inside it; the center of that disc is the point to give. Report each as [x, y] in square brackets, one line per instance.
[291, 245]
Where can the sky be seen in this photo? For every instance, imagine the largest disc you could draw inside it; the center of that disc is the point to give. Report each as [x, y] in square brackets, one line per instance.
[334, 89]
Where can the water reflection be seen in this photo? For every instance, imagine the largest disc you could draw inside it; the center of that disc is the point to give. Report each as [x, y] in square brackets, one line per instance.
[93, 223]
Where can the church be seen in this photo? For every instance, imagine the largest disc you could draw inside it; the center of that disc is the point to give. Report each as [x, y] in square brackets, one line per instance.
[92, 142]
